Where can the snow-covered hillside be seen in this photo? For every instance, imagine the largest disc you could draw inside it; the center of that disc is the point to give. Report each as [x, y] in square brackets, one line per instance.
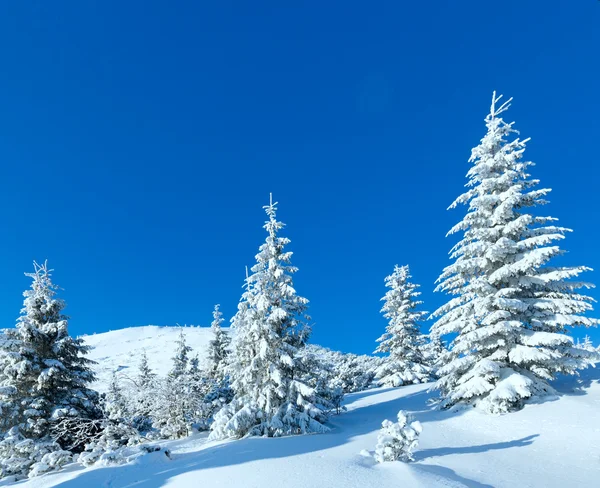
[552, 444]
[121, 350]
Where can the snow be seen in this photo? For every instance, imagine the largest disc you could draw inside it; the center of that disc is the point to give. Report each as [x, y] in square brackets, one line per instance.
[550, 444]
[121, 350]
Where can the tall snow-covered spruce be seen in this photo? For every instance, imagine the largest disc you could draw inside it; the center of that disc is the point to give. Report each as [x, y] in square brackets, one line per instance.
[402, 340]
[511, 308]
[269, 328]
[45, 382]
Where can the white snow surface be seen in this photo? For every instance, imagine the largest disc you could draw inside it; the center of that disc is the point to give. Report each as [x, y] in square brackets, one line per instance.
[550, 444]
[121, 350]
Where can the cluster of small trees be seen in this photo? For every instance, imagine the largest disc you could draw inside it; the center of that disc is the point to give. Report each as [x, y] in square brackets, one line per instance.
[507, 319]
[48, 414]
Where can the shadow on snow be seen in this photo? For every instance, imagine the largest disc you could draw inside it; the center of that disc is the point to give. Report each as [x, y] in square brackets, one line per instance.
[155, 469]
[445, 451]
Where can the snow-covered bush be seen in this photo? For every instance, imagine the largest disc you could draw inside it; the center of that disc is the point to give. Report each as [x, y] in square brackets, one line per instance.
[73, 433]
[334, 374]
[316, 371]
[50, 461]
[21, 457]
[358, 373]
[108, 447]
[398, 440]
[402, 340]
[511, 308]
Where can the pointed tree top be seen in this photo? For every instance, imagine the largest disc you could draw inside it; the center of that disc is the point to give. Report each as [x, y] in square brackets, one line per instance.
[40, 271]
[497, 111]
[271, 209]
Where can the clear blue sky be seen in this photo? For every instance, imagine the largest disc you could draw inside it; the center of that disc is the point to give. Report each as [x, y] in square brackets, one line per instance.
[139, 141]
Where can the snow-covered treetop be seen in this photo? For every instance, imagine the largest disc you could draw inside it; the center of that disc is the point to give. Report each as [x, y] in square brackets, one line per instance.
[272, 284]
[505, 245]
[41, 306]
[400, 302]
[181, 357]
[217, 318]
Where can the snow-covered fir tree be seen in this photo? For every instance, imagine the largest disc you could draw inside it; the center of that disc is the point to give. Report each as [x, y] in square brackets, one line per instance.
[269, 328]
[586, 344]
[218, 348]
[398, 440]
[8, 346]
[402, 340]
[143, 395]
[145, 376]
[176, 403]
[434, 353]
[44, 381]
[181, 359]
[511, 306]
[115, 402]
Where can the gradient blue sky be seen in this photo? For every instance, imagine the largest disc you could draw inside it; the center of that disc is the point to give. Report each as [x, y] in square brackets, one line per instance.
[139, 141]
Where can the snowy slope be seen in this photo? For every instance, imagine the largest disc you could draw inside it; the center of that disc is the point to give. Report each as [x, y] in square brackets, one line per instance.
[121, 350]
[554, 444]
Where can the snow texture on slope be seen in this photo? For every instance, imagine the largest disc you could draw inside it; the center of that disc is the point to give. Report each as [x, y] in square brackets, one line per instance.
[121, 350]
[552, 444]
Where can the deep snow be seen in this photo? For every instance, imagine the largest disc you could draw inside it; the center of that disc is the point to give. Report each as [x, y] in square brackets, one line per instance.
[551, 444]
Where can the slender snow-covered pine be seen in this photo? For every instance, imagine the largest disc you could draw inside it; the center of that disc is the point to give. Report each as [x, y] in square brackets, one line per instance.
[218, 348]
[115, 402]
[402, 340]
[270, 327]
[510, 307]
[143, 395]
[146, 376]
[181, 358]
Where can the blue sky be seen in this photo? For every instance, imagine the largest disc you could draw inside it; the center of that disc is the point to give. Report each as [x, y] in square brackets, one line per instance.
[140, 140]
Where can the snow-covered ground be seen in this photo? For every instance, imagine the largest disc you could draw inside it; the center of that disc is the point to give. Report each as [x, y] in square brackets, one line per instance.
[552, 444]
[121, 350]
